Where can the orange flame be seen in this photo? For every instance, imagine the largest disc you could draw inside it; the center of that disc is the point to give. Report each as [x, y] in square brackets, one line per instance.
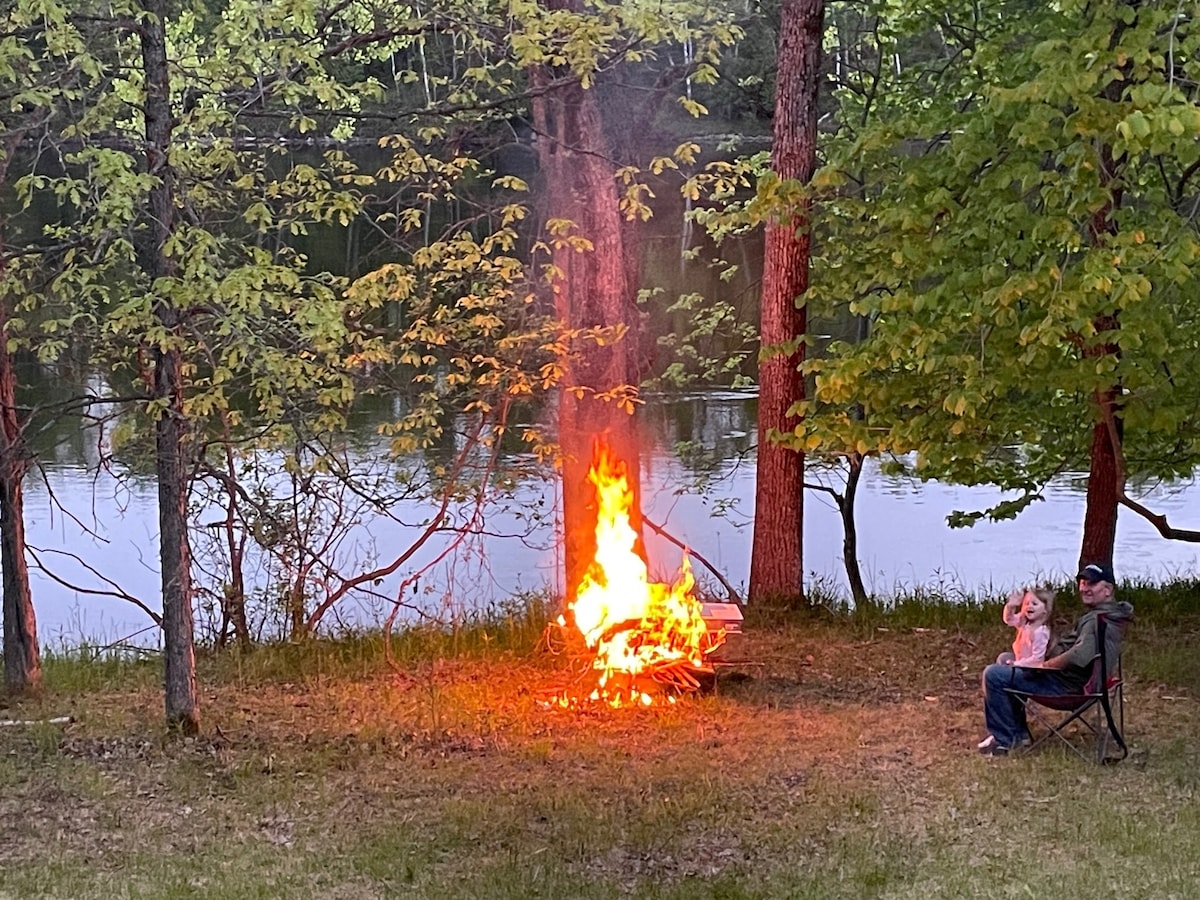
[635, 627]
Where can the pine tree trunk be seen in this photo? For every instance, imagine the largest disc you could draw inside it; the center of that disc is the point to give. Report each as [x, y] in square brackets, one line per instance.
[776, 562]
[22, 657]
[591, 288]
[182, 705]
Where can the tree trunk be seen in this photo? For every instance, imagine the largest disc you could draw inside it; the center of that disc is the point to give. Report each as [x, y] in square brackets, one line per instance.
[182, 705]
[235, 598]
[1100, 516]
[233, 601]
[858, 591]
[22, 658]
[591, 288]
[776, 561]
[1105, 475]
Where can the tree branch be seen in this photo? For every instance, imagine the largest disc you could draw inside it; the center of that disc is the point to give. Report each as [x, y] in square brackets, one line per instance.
[1159, 521]
[662, 532]
[118, 592]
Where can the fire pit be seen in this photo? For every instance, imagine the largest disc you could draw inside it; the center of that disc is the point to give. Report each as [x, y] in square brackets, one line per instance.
[648, 641]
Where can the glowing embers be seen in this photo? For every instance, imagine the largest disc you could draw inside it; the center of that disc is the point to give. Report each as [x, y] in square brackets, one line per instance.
[648, 640]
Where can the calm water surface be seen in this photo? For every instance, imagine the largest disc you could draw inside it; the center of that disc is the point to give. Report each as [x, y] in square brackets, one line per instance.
[903, 537]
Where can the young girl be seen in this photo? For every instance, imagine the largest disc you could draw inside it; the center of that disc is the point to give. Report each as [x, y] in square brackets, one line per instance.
[1028, 611]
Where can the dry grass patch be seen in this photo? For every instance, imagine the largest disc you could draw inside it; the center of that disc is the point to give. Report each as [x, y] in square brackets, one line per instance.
[825, 764]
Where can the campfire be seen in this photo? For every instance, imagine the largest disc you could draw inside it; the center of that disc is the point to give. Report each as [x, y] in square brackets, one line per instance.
[647, 640]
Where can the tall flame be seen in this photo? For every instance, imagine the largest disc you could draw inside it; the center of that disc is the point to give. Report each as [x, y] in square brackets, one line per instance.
[636, 628]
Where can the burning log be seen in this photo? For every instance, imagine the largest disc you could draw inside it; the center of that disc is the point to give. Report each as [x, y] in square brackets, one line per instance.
[647, 640]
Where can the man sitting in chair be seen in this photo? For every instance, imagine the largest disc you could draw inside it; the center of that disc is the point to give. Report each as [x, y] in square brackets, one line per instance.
[1067, 666]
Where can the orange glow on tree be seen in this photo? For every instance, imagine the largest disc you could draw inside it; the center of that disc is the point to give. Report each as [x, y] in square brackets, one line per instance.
[644, 634]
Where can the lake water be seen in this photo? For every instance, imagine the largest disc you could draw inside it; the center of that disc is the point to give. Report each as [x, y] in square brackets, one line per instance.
[903, 537]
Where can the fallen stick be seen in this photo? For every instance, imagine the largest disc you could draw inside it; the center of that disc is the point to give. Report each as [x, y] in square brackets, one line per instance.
[57, 720]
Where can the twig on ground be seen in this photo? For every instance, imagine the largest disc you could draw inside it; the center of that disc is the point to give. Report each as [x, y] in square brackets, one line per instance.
[57, 720]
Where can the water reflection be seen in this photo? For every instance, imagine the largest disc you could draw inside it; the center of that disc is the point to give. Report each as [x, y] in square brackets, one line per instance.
[699, 485]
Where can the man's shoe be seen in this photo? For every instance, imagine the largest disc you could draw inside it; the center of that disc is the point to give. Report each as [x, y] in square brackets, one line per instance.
[994, 750]
[986, 742]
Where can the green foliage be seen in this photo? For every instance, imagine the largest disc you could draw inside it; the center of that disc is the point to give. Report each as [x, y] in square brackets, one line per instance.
[960, 222]
[50, 70]
[713, 344]
[277, 347]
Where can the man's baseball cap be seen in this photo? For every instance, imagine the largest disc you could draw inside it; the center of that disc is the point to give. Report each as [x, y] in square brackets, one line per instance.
[1094, 572]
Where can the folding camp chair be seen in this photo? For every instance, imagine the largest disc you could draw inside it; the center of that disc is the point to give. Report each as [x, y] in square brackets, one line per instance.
[1099, 706]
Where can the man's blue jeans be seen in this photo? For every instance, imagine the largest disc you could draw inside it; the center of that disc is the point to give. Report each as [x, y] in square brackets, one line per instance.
[1004, 714]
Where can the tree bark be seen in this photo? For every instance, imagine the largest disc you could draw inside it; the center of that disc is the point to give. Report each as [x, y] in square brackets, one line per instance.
[1106, 474]
[22, 657]
[858, 590]
[776, 562]
[1104, 487]
[591, 288]
[182, 704]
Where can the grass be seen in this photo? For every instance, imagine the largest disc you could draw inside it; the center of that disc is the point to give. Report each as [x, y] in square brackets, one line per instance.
[833, 760]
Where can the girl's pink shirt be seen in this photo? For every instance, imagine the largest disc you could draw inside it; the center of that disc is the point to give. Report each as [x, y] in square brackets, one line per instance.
[1029, 645]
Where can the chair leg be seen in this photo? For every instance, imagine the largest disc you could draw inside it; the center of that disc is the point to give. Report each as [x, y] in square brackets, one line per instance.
[1089, 715]
[1119, 696]
[1114, 725]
